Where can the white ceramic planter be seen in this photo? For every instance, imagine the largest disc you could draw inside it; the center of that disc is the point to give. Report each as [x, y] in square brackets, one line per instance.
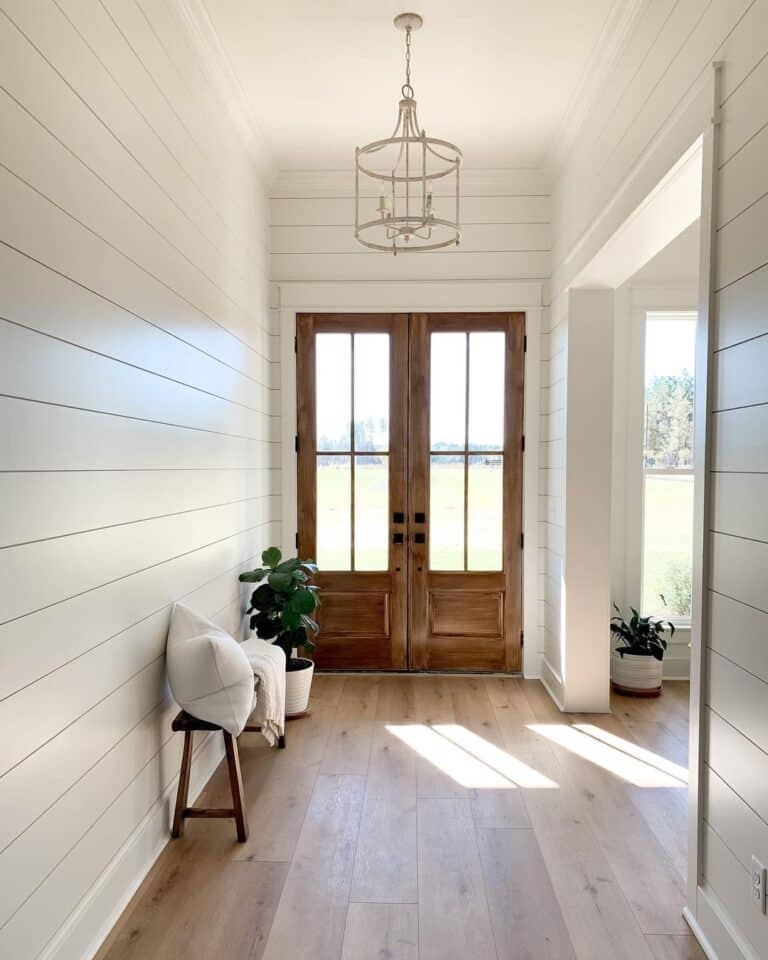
[635, 674]
[298, 683]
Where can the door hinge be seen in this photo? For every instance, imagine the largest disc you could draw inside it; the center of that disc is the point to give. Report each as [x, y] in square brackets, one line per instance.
[523, 443]
[296, 443]
[297, 541]
[522, 541]
[525, 344]
[295, 344]
[522, 639]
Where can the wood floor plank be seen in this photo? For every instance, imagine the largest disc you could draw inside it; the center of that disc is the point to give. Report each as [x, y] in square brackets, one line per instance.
[385, 866]
[310, 919]
[194, 881]
[348, 748]
[392, 770]
[683, 947]
[454, 921]
[498, 809]
[381, 931]
[599, 919]
[513, 713]
[525, 915]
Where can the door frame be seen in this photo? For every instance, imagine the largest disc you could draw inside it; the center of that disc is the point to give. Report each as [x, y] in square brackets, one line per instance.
[424, 297]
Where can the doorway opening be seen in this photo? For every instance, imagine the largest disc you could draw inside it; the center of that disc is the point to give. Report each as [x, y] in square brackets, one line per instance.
[410, 457]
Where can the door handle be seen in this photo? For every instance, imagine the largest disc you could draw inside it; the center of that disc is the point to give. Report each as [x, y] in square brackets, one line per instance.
[419, 517]
[419, 538]
[398, 517]
[397, 538]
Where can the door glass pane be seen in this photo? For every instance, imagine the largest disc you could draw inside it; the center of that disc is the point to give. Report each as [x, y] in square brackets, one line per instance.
[486, 390]
[448, 378]
[371, 513]
[668, 545]
[333, 378]
[670, 358]
[371, 391]
[446, 513]
[334, 513]
[485, 513]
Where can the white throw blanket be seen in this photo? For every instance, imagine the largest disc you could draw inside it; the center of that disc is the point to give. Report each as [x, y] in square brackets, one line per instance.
[268, 663]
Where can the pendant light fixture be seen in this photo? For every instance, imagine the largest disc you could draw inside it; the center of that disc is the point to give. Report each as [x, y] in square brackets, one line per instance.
[408, 217]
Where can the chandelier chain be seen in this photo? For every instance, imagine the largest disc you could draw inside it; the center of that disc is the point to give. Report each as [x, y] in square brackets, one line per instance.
[407, 88]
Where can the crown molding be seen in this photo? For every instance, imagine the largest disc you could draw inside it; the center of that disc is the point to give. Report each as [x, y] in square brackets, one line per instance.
[618, 27]
[297, 184]
[217, 65]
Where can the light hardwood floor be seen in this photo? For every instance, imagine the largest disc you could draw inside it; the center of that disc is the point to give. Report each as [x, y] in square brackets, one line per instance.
[436, 818]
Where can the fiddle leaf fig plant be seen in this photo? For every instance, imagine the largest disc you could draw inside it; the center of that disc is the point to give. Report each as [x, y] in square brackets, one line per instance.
[282, 605]
[641, 636]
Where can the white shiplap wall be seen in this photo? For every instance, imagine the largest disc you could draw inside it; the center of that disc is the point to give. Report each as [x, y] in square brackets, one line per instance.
[641, 123]
[140, 437]
[506, 237]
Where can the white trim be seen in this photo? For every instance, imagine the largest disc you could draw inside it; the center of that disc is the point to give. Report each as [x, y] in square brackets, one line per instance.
[88, 926]
[411, 297]
[702, 440]
[553, 683]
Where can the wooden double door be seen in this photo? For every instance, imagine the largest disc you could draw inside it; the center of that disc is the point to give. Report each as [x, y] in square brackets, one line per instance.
[410, 450]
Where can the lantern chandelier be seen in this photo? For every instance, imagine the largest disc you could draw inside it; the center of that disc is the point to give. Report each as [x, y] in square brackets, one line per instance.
[404, 168]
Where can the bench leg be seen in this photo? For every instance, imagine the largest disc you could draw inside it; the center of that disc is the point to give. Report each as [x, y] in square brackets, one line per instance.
[236, 785]
[281, 742]
[183, 792]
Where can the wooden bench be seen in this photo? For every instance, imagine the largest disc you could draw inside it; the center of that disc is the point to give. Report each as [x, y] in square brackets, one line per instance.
[189, 725]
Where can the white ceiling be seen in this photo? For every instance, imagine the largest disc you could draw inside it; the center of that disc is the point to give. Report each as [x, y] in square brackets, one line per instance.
[498, 77]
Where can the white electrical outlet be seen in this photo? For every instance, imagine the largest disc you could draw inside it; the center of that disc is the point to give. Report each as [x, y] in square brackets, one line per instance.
[758, 884]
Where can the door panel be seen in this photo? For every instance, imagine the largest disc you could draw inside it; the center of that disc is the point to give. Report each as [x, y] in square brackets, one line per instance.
[465, 484]
[352, 410]
[410, 487]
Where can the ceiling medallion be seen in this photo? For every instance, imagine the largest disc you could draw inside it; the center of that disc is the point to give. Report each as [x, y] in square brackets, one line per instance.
[404, 168]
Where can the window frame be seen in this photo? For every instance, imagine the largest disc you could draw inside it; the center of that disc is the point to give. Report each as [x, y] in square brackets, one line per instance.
[636, 468]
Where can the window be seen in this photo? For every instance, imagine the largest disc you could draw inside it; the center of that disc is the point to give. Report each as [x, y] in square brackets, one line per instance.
[668, 465]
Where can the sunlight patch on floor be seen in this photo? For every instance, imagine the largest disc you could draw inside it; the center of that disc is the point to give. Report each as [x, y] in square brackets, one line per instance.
[640, 753]
[468, 759]
[602, 754]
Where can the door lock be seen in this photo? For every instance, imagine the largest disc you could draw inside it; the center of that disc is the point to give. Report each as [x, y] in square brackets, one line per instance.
[397, 538]
[398, 517]
[419, 538]
[419, 517]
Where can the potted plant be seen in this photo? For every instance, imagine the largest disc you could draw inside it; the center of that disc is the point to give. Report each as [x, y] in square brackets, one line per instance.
[637, 662]
[281, 612]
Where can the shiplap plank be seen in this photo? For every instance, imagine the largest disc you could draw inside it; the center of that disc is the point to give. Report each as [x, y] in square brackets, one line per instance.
[743, 180]
[72, 502]
[742, 765]
[39, 367]
[733, 820]
[42, 231]
[745, 111]
[741, 309]
[453, 264]
[742, 244]
[80, 562]
[740, 504]
[739, 633]
[38, 436]
[738, 439]
[740, 569]
[56, 173]
[740, 374]
[731, 882]
[739, 697]
[314, 211]
[43, 300]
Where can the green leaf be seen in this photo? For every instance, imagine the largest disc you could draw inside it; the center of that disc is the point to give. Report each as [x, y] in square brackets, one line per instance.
[263, 597]
[271, 557]
[302, 601]
[280, 581]
[265, 627]
[252, 576]
[290, 619]
[309, 623]
[288, 566]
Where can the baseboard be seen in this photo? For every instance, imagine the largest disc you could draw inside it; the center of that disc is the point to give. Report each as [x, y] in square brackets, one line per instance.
[711, 926]
[696, 930]
[553, 683]
[93, 918]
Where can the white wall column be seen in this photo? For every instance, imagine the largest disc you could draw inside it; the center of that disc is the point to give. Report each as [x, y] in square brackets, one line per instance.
[586, 602]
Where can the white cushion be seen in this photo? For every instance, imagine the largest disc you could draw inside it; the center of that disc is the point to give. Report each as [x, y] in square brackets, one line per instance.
[209, 674]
